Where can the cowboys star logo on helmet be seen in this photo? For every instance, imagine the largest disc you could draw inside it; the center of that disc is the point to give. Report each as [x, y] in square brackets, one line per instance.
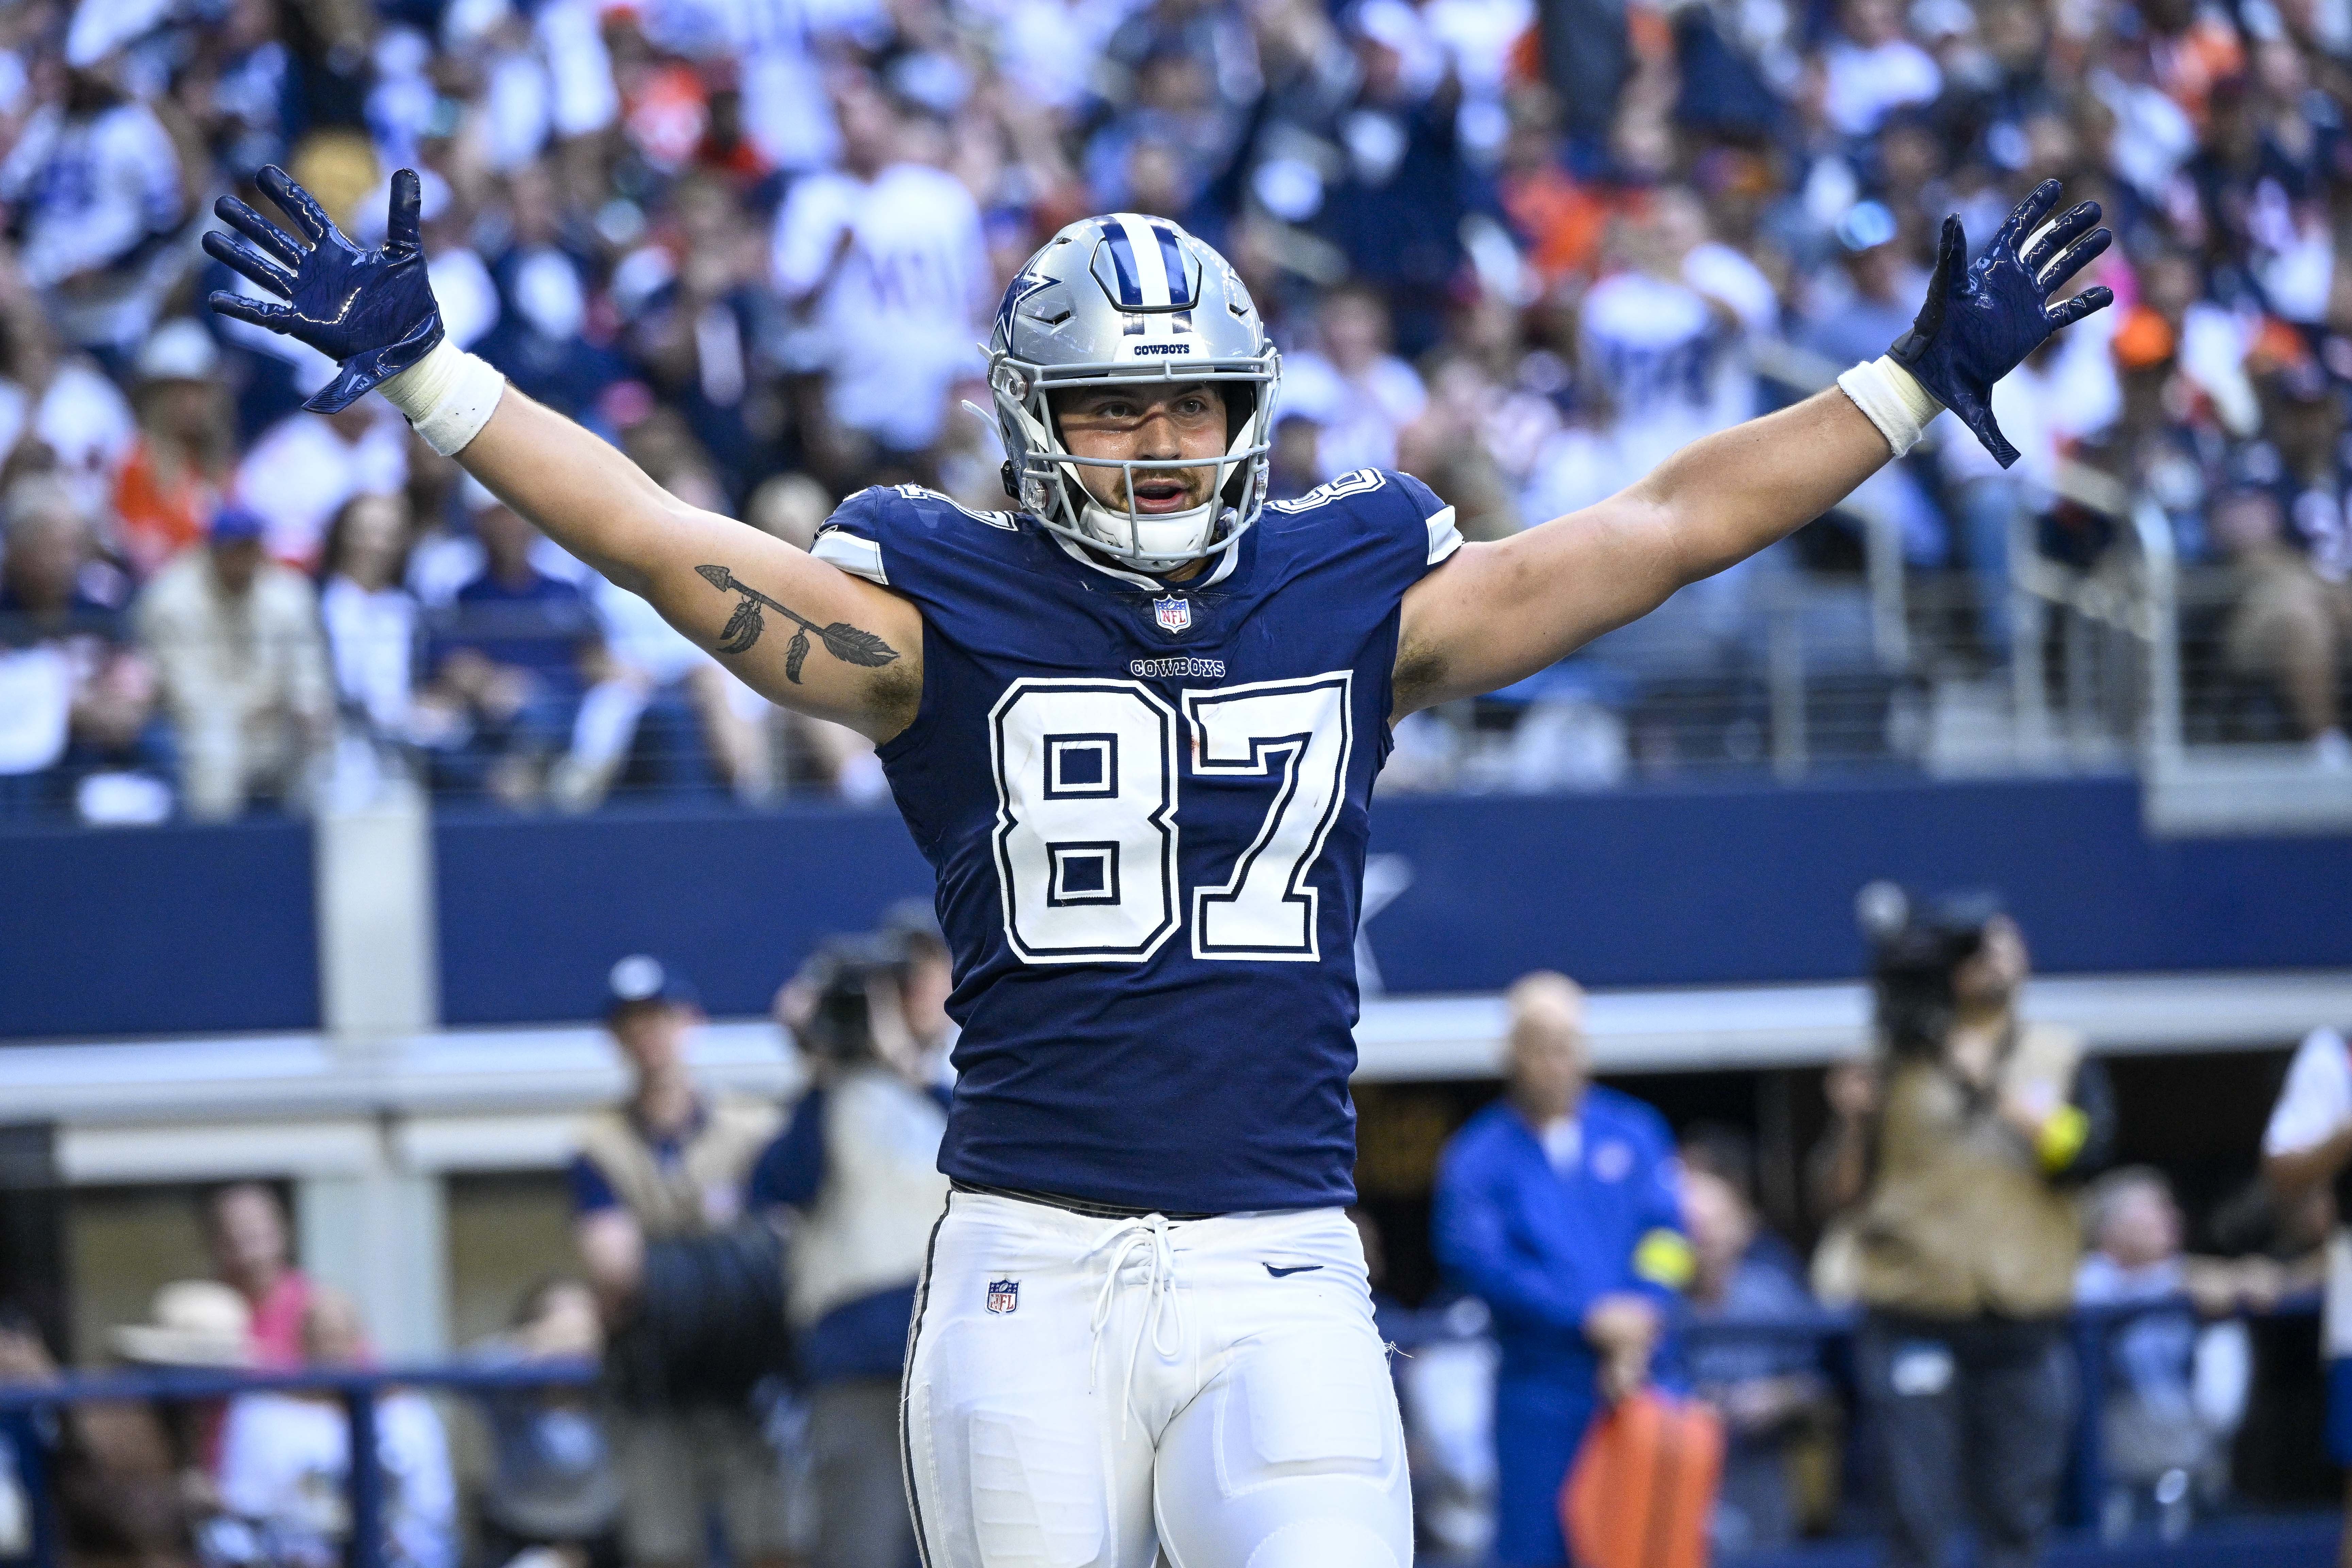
[1130, 299]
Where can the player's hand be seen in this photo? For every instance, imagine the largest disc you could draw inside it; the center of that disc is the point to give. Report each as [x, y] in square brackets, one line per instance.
[1982, 317]
[371, 312]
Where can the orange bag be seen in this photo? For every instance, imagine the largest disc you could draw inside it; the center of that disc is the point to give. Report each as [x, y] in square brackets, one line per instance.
[1643, 1485]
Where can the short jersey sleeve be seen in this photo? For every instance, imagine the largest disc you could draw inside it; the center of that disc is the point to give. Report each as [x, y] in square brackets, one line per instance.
[852, 537]
[1439, 537]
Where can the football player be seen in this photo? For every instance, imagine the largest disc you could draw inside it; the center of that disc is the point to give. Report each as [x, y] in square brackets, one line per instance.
[1133, 721]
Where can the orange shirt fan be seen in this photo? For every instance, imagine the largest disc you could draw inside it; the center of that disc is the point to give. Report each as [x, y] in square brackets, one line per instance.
[1644, 1484]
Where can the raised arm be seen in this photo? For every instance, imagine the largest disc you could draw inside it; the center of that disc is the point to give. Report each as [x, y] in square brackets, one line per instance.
[797, 630]
[1499, 612]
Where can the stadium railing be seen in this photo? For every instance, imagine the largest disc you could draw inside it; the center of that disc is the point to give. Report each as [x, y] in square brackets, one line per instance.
[26, 1408]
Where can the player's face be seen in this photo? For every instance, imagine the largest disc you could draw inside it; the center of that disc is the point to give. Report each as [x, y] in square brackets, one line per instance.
[1146, 422]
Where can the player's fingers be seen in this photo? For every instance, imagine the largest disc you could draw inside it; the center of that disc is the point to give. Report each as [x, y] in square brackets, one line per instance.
[260, 312]
[2069, 226]
[2074, 258]
[2028, 215]
[2066, 312]
[1951, 254]
[404, 228]
[272, 240]
[298, 204]
[237, 256]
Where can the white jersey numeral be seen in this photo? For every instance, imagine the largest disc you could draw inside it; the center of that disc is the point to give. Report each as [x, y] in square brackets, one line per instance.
[1085, 836]
[1298, 734]
[1087, 816]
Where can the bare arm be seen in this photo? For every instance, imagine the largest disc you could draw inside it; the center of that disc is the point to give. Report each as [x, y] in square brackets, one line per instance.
[612, 1256]
[1499, 612]
[2292, 1175]
[800, 632]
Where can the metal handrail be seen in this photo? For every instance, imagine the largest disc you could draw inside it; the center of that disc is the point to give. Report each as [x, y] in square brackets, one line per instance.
[23, 1405]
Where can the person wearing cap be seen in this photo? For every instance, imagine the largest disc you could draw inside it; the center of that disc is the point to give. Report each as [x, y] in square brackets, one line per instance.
[236, 643]
[172, 483]
[859, 1167]
[1967, 1239]
[510, 661]
[666, 1169]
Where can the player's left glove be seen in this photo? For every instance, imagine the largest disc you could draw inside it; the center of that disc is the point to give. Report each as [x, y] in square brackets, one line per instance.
[369, 311]
[1982, 317]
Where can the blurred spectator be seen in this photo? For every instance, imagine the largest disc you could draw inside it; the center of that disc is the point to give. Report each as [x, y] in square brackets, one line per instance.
[510, 661]
[859, 1162]
[74, 698]
[58, 410]
[1967, 1240]
[2176, 1392]
[303, 468]
[1767, 1388]
[285, 1459]
[100, 180]
[667, 1169]
[2307, 1150]
[2288, 627]
[552, 1481]
[171, 482]
[884, 263]
[235, 638]
[1557, 1207]
[1872, 69]
[1359, 394]
[245, 1230]
[370, 618]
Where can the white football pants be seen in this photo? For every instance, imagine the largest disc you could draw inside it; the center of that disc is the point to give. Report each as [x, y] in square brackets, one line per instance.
[1083, 1393]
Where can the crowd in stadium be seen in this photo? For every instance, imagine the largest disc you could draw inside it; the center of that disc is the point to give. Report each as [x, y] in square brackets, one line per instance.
[756, 243]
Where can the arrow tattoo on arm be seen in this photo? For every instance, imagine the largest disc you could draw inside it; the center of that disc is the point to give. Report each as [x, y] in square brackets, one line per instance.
[843, 641]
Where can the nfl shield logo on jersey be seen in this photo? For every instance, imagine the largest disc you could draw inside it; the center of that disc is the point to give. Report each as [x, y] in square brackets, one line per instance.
[1004, 1294]
[1173, 613]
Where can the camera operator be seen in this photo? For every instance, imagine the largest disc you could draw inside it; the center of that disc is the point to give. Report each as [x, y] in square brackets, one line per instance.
[690, 1284]
[1967, 1239]
[859, 1167]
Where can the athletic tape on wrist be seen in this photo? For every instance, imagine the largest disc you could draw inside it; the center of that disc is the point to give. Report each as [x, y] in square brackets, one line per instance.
[448, 395]
[1892, 399]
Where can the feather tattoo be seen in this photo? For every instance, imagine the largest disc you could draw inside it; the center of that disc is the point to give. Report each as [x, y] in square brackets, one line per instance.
[849, 644]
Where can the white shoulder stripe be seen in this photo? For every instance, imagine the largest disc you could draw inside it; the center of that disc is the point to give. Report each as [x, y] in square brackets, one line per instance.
[1444, 538]
[859, 557]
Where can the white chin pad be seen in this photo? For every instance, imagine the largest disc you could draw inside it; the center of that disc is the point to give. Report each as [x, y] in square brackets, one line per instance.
[1165, 534]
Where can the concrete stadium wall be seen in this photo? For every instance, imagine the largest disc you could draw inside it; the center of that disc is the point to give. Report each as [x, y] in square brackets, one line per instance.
[189, 929]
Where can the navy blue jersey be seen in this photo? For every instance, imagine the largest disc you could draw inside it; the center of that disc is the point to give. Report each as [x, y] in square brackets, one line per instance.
[1147, 805]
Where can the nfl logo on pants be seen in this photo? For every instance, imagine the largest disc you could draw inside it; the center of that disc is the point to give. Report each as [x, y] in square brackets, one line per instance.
[1173, 613]
[1004, 1294]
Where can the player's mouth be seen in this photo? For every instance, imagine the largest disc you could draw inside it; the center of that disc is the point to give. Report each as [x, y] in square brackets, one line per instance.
[1164, 493]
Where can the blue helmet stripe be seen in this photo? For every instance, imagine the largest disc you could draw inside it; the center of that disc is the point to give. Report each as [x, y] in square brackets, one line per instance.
[1122, 259]
[1180, 288]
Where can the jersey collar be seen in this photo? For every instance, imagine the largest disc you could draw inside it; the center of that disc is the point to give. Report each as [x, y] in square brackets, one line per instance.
[1228, 557]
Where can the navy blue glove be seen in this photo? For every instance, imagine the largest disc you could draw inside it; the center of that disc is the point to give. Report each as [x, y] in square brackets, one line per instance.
[371, 310]
[1982, 319]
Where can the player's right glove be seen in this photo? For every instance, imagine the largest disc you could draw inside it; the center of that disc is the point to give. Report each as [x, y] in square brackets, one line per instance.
[1982, 317]
[371, 312]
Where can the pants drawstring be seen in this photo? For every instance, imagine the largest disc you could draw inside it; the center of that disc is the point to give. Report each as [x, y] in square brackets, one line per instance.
[1149, 1232]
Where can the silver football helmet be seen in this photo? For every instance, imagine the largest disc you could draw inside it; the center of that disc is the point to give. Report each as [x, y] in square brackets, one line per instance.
[1128, 298]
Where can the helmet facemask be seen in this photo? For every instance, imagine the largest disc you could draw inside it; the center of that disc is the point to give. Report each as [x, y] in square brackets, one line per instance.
[1046, 475]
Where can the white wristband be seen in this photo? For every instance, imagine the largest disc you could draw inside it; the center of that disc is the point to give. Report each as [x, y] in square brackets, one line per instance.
[448, 395]
[1892, 399]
